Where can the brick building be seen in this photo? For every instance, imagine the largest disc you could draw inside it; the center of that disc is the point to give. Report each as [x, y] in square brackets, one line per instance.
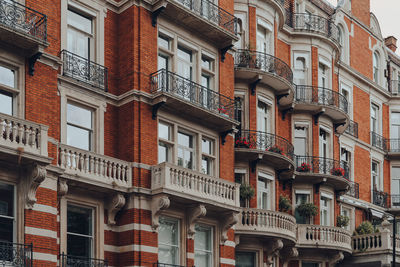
[197, 133]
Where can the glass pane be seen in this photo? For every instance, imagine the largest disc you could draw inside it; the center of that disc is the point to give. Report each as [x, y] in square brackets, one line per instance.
[163, 42]
[6, 230]
[300, 146]
[80, 246]
[7, 76]
[163, 153]
[6, 200]
[79, 116]
[79, 21]
[163, 131]
[206, 165]
[79, 220]
[206, 63]
[245, 259]
[78, 43]
[185, 54]
[162, 62]
[6, 103]
[168, 240]
[206, 146]
[185, 140]
[78, 137]
[205, 81]
[202, 238]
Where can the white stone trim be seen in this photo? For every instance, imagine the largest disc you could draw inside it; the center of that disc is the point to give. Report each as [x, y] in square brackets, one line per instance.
[44, 256]
[190, 255]
[129, 248]
[45, 208]
[227, 261]
[230, 243]
[128, 227]
[49, 183]
[40, 232]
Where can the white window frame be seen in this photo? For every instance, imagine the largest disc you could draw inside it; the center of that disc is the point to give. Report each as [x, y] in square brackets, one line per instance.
[269, 180]
[306, 56]
[212, 251]
[378, 174]
[351, 216]
[209, 157]
[378, 116]
[178, 246]
[14, 218]
[328, 209]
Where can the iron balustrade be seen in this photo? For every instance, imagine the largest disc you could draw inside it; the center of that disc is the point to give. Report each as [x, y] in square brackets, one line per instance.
[258, 60]
[23, 19]
[265, 142]
[321, 96]
[187, 90]
[380, 198]
[378, 141]
[84, 70]
[313, 24]
[75, 261]
[352, 129]
[354, 190]
[13, 254]
[212, 12]
[395, 201]
[310, 164]
[393, 145]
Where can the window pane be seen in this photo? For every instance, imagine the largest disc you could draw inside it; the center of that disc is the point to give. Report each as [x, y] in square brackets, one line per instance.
[79, 21]
[163, 153]
[79, 116]
[206, 63]
[79, 220]
[80, 246]
[206, 146]
[163, 42]
[245, 259]
[6, 200]
[203, 246]
[7, 76]
[164, 131]
[6, 230]
[168, 241]
[6, 103]
[185, 54]
[162, 62]
[206, 165]
[78, 137]
[185, 140]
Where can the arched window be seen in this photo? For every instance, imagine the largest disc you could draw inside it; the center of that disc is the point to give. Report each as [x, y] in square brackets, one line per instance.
[239, 43]
[300, 71]
[343, 41]
[376, 67]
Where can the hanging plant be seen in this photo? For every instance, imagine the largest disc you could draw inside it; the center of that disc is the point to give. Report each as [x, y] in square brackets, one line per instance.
[284, 204]
[307, 210]
[365, 228]
[342, 221]
[246, 191]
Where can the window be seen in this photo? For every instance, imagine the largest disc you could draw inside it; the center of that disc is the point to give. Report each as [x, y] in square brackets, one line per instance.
[374, 118]
[7, 84]
[79, 126]
[164, 143]
[376, 67]
[240, 178]
[207, 159]
[164, 55]
[263, 117]
[395, 187]
[346, 212]
[323, 143]
[300, 141]
[203, 246]
[345, 157]
[264, 191]
[301, 197]
[185, 150]
[239, 109]
[245, 259]
[168, 241]
[80, 231]
[395, 130]
[207, 80]
[263, 40]
[323, 76]
[185, 63]
[300, 71]
[7, 213]
[345, 90]
[80, 34]
[343, 40]
[325, 208]
[376, 181]
[240, 33]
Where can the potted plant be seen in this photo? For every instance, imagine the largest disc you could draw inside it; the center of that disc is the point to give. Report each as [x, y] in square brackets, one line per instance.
[342, 221]
[223, 111]
[242, 142]
[337, 171]
[364, 228]
[307, 210]
[275, 149]
[247, 192]
[304, 167]
[284, 204]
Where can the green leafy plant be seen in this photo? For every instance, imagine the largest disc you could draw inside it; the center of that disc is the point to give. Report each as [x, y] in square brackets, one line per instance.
[307, 210]
[246, 191]
[365, 228]
[342, 221]
[284, 204]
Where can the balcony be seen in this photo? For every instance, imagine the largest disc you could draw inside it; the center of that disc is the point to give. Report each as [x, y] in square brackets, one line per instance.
[73, 261]
[354, 190]
[393, 148]
[200, 16]
[22, 140]
[265, 148]
[16, 255]
[318, 170]
[378, 141]
[352, 129]
[265, 223]
[380, 198]
[256, 67]
[308, 25]
[319, 100]
[91, 168]
[22, 28]
[84, 70]
[190, 187]
[323, 237]
[375, 244]
[191, 100]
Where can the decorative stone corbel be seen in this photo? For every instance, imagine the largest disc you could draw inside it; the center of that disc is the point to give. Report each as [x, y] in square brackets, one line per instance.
[116, 204]
[229, 220]
[339, 256]
[273, 249]
[158, 204]
[194, 215]
[288, 254]
[37, 174]
[62, 187]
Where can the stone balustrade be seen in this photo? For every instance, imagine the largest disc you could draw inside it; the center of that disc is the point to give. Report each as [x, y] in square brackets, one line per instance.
[95, 167]
[18, 133]
[186, 183]
[380, 242]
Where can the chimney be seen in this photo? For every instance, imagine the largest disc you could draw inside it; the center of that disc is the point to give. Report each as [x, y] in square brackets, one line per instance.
[391, 43]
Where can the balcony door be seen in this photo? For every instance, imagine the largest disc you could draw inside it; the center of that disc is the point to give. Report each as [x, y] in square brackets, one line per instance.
[185, 70]
[80, 34]
[395, 194]
[263, 125]
[323, 150]
[395, 132]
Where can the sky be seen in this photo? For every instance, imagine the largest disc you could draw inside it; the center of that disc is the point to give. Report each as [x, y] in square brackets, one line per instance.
[387, 13]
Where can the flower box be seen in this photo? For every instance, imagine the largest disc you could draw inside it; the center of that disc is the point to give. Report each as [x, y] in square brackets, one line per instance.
[304, 167]
[242, 142]
[337, 171]
[275, 149]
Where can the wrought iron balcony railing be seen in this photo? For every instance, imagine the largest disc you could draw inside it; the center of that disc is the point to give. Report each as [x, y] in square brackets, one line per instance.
[187, 90]
[23, 19]
[310, 164]
[378, 141]
[313, 24]
[354, 190]
[380, 198]
[84, 70]
[265, 142]
[74, 261]
[212, 12]
[261, 61]
[352, 129]
[18, 255]
[321, 96]
[393, 145]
